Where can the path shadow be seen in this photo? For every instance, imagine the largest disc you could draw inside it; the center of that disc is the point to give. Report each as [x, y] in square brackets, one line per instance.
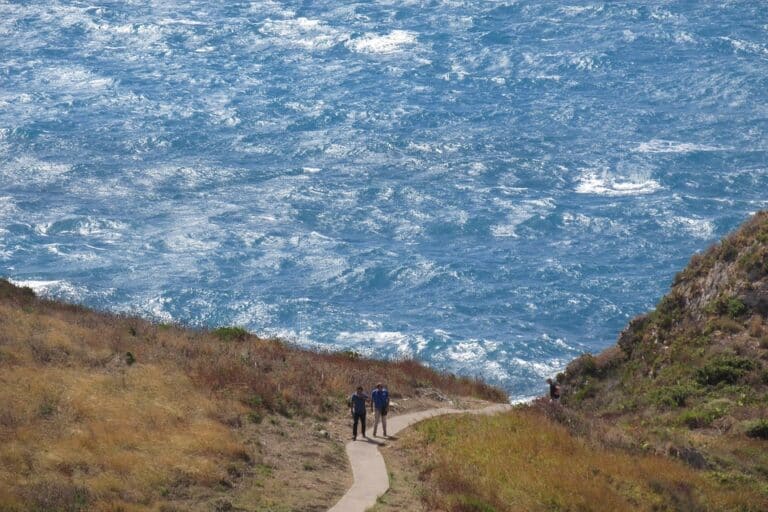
[373, 441]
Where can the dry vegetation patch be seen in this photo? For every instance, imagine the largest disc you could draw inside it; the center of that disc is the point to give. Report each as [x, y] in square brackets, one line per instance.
[105, 412]
[522, 461]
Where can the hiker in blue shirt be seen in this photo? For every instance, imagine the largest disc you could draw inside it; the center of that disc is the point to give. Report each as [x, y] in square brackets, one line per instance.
[357, 407]
[380, 403]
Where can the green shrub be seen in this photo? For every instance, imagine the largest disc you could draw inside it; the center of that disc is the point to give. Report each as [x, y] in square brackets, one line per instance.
[672, 396]
[701, 417]
[472, 504]
[670, 310]
[724, 324]
[255, 401]
[758, 429]
[727, 368]
[736, 307]
[728, 250]
[351, 354]
[588, 390]
[231, 333]
[583, 366]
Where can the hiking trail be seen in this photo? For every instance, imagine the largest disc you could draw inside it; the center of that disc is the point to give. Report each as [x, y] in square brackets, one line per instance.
[371, 479]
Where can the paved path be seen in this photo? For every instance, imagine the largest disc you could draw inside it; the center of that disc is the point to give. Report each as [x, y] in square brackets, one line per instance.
[371, 479]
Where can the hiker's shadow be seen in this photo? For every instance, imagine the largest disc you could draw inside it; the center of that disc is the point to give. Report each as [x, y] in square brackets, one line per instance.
[374, 441]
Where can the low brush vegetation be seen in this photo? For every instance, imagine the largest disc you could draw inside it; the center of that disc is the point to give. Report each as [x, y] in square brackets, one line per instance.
[525, 462]
[101, 412]
[690, 379]
[671, 418]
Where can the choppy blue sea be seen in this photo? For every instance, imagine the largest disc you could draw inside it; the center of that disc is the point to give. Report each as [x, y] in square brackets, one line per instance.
[491, 186]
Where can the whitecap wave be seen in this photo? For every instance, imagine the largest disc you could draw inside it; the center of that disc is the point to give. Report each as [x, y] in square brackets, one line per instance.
[703, 229]
[393, 42]
[56, 289]
[604, 184]
[518, 213]
[670, 146]
[304, 33]
[394, 341]
[27, 169]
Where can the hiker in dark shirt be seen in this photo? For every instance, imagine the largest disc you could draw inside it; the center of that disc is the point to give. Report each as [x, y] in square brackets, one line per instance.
[357, 407]
[380, 406]
[554, 390]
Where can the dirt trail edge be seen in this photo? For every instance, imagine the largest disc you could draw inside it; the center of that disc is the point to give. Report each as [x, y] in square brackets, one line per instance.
[371, 479]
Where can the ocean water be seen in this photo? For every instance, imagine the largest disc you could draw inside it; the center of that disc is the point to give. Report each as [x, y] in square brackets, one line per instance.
[493, 187]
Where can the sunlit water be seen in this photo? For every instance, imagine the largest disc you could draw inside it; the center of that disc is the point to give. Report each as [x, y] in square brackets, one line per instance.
[492, 187]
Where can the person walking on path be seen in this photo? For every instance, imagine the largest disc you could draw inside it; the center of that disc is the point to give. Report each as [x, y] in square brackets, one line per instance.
[380, 405]
[357, 407]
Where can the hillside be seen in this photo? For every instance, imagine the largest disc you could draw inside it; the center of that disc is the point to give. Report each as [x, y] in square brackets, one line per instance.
[112, 413]
[690, 379]
[672, 418]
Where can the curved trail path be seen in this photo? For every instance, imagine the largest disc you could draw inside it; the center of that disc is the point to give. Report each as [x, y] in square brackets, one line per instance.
[371, 479]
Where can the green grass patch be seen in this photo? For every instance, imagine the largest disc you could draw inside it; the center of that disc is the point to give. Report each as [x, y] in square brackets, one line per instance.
[672, 396]
[757, 429]
[231, 333]
[703, 416]
[724, 369]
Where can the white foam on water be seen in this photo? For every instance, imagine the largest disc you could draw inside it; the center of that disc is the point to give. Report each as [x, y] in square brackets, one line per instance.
[79, 256]
[27, 170]
[541, 368]
[703, 229]
[396, 341]
[255, 313]
[71, 78]
[7, 207]
[684, 37]
[520, 212]
[575, 10]
[670, 146]
[628, 35]
[105, 229]
[58, 289]
[605, 184]
[746, 46]
[303, 32]
[171, 21]
[155, 308]
[395, 41]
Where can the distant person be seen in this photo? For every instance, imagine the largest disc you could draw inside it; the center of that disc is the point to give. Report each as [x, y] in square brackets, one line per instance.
[357, 408]
[380, 405]
[554, 390]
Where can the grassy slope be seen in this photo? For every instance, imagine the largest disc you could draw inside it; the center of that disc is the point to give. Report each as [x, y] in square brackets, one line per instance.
[671, 418]
[524, 462]
[199, 420]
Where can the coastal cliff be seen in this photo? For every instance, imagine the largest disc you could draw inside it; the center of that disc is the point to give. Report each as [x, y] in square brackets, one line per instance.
[673, 417]
[690, 378]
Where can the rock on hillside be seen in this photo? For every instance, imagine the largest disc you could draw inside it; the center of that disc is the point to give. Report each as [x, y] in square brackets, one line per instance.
[691, 377]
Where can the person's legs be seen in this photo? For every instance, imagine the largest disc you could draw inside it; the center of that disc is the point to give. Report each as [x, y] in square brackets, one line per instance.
[355, 418]
[376, 417]
[384, 423]
[362, 423]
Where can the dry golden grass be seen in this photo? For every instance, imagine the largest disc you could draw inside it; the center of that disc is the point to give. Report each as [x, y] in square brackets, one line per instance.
[522, 461]
[85, 426]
